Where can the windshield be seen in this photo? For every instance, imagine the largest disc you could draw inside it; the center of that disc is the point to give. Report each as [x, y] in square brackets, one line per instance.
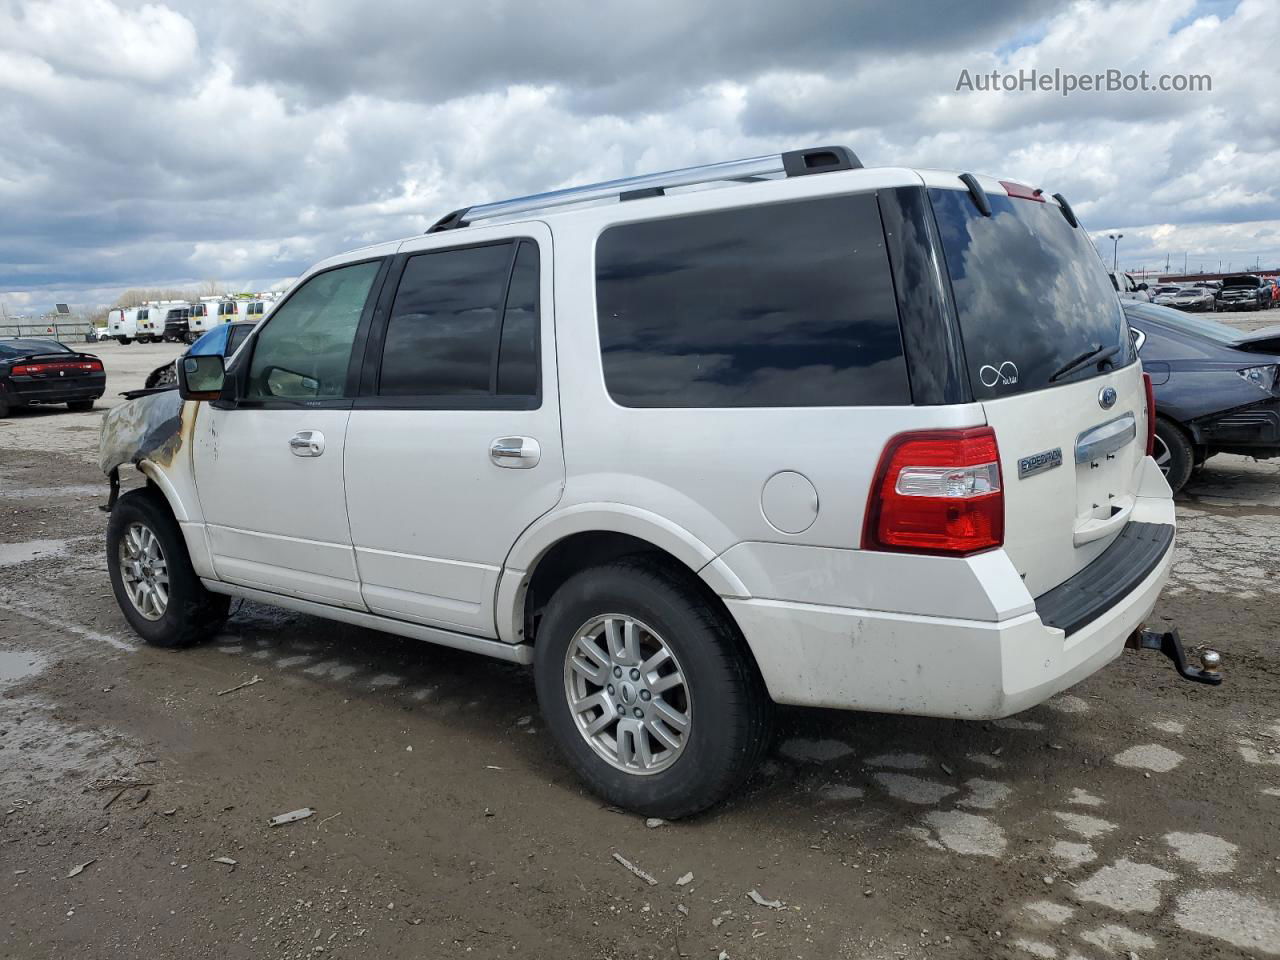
[1218, 332]
[1030, 292]
[10, 349]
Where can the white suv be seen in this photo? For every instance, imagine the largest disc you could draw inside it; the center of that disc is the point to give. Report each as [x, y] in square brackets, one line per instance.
[872, 439]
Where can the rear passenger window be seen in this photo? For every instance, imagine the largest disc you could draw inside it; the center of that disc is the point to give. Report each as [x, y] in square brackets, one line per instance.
[464, 324]
[787, 305]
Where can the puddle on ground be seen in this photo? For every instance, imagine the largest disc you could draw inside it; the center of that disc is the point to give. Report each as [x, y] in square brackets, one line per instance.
[17, 665]
[14, 553]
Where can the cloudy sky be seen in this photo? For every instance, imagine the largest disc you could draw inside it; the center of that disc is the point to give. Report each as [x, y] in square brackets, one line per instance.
[168, 143]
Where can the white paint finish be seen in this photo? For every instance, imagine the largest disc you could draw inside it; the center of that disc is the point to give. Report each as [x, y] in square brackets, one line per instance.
[900, 786]
[815, 751]
[1174, 727]
[861, 659]
[1074, 854]
[1244, 921]
[276, 522]
[985, 794]
[983, 587]
[1084, 798]
[967, 833]
[1125, 886]
[901, 761]
[1149, 756]
[1205, 852]
[789, 502]
[1035, 948]
[1039, 509]
[433, 518]
[1068, 703]
[522, 653]
[1114, 938]
[1086, 826]
[1047, 910]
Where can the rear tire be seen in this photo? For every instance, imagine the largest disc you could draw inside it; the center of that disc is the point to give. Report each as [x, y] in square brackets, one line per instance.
[4, 407]
[630, 760]
[80, 406]
[125, 341]
[152, 577]
[1173, 453]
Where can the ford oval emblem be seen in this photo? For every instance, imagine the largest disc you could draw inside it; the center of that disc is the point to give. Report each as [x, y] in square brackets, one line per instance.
[1107, 398]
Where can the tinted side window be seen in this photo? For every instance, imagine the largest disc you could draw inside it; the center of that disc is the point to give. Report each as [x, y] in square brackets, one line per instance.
[518, 349]
[444, 323]
[304, 352]
[777, 306]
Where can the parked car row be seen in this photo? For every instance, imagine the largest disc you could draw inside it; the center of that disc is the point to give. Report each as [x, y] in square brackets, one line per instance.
[181, 321]
[1239, 292]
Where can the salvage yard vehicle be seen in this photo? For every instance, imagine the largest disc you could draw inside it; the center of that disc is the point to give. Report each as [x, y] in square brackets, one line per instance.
[1127, 287]
[1191, 299]
[1217, 388]
[687, 453]
[42, 372]
[1244, 292]
[122, 324]
[224, 340]
[177, 324]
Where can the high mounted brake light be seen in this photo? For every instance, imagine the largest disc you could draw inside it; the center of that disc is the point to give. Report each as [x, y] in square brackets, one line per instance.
[937, 492]
[1022, 191]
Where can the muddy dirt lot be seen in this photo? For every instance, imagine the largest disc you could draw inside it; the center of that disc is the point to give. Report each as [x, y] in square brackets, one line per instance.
[1137, 812]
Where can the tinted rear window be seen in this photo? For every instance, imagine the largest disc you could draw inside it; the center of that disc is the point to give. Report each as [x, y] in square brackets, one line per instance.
[1030, 292]
[27, 348]
[787, 305]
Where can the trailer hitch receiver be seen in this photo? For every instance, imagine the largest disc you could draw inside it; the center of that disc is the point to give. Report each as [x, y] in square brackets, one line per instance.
[1170, 644]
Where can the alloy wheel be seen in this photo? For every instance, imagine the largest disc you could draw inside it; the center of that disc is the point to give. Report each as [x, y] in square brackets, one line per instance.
[628, 694]
[144, 571]
[1163, 458]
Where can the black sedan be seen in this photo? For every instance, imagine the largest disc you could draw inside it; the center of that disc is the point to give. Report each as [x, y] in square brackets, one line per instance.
[46, 371]
[1217, 389]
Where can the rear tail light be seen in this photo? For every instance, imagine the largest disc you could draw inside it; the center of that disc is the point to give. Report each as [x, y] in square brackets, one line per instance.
[77, 366]
[1151, 413]
[939, 492]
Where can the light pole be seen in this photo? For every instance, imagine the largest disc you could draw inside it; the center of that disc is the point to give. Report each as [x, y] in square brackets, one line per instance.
[1115, 239]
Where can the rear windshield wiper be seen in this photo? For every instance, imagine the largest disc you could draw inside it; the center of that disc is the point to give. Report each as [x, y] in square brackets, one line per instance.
[1098, 355]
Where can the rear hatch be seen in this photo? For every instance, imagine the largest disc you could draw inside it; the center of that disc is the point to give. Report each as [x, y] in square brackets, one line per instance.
[35, 373]
[1048, 355]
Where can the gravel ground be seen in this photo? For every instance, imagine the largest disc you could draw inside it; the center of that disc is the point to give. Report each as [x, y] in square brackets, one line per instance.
[1137, 812]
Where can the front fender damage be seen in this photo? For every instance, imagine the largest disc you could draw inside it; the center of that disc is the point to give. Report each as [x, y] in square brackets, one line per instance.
[149, 427]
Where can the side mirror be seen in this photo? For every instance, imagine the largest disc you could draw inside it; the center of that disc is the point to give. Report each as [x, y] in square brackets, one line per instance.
[201, 378]
[1142, 286]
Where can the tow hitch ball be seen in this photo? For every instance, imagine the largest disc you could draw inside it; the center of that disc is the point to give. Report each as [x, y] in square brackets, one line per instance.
[1170, 644]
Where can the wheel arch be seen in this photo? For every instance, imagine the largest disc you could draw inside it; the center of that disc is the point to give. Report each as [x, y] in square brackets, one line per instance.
[588, 535]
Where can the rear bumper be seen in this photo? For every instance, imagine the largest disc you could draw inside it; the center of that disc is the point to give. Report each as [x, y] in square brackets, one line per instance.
[828, 656]
[21, 393]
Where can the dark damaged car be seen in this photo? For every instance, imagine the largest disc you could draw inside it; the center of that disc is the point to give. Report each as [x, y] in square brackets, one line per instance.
[36, 371]
[1244, 292]
[1217, 389]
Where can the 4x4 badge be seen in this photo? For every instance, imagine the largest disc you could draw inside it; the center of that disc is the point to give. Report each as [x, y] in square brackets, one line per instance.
[1039, 463]
[1107, 398]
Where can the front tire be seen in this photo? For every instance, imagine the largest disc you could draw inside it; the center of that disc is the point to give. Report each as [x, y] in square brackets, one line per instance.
[1173, 453]
[648, 689]
[152, 577]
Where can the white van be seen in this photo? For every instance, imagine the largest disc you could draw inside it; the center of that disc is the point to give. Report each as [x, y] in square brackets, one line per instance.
[205, 316]
[826, 436]
[122, 324]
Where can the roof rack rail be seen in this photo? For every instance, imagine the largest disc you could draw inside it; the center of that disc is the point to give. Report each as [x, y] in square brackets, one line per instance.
[794, 163]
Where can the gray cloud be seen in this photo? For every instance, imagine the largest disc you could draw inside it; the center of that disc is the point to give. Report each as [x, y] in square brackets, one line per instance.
[173, 142]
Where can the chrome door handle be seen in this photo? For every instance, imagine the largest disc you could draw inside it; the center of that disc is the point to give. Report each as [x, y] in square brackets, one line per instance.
[518, 453]
[307, 443]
